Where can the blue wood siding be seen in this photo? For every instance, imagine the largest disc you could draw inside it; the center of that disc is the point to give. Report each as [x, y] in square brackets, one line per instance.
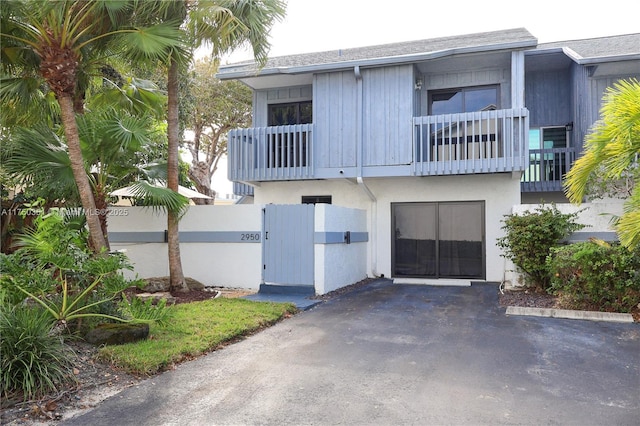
[582, 118]
[548, 96]
[599, 87]
[387, 116]
[334, 116]
[587, 98]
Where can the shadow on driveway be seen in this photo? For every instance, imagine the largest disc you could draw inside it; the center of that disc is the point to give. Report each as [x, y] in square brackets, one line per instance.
[401, 354]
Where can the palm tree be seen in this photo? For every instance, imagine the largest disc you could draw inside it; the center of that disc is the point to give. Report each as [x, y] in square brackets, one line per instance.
[225, 25]
[64, 42]
[612, 149]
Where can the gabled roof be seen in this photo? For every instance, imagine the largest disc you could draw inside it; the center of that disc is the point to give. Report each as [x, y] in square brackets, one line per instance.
[394, 53]
[596, 50]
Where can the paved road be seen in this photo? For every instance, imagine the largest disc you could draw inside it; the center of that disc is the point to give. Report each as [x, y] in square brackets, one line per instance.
[399, 355]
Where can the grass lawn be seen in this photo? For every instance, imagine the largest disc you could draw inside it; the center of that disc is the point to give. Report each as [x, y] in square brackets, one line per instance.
[195, 328]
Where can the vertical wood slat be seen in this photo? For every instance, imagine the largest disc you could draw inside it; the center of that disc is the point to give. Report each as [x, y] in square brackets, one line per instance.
[547, 169]
[475, 142]
[271, 153]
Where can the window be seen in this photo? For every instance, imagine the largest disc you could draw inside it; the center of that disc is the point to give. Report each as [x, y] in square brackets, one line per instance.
[290, 113]
[462, 137]
[463, 100]
[548, 137]
[288, 149]
[316, 199]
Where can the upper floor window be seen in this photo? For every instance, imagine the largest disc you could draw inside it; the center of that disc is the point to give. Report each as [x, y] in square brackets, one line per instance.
[290, 113]
[466, 99]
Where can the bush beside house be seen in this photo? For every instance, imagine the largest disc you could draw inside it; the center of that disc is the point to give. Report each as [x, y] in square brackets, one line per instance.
[592, 275]
[529, 238]
[595, 275]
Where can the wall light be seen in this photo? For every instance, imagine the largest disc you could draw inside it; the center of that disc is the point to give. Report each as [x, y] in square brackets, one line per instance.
[418, 85]
[569, 126]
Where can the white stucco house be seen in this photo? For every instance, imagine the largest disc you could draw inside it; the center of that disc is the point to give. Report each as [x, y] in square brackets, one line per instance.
[436, 140]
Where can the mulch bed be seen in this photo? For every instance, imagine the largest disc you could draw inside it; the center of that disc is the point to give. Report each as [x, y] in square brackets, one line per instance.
[528, 299]
[533, 299]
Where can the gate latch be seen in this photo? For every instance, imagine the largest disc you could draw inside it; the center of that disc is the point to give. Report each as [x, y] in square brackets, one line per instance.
[347, 237]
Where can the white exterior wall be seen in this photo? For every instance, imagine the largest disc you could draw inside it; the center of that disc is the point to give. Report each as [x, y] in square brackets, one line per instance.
[144, 257]
[499, 191]
[596, 215]
[217, 264]
[339, 265]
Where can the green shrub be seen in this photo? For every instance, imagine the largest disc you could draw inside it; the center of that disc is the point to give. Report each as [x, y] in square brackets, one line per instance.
[33, 361]
[596, 276]
[55, 269]
[530, 237]
[18, 271]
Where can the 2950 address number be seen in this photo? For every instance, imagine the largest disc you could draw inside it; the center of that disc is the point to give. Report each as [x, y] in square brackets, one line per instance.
[250, 237]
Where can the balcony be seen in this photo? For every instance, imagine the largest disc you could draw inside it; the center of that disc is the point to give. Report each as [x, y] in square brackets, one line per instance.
[547, 168]
[492, 141]
[475, 142]
[271, 153]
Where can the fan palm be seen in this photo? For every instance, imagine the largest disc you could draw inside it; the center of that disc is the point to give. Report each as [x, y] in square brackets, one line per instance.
[114, 145]
[65, 42]
[613, 149]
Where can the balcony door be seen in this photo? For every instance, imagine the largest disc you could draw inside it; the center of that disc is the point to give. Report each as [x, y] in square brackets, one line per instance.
[549, 157]
[438, 240]
[456, 139]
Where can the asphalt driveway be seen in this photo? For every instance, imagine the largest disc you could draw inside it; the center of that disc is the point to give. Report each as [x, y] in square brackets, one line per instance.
[401, 354]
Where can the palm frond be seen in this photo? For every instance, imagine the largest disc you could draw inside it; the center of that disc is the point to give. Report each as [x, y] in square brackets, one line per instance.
[26, 100]
[257, 18]
[38, 152]
[159, 198]
[158, 42]
[136, 96]
[628, 225]
[614, 141]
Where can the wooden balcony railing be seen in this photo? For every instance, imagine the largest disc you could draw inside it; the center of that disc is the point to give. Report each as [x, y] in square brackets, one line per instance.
[477, 142]
[271, 153]
[474, 142]
[547, 168]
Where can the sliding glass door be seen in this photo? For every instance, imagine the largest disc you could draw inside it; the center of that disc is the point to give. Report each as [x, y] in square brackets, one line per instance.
[438, 240]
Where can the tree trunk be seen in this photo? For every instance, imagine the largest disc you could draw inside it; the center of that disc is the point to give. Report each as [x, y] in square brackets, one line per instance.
[199, 174]
[176, 276]
[102, 207]
[97, 239]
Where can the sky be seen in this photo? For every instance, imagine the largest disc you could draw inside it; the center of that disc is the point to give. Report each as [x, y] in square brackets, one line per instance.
[318, 25]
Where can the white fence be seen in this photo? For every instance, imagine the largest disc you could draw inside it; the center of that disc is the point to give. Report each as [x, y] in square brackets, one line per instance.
[221, 245]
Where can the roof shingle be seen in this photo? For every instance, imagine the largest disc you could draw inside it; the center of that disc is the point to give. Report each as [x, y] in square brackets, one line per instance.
[515, 37]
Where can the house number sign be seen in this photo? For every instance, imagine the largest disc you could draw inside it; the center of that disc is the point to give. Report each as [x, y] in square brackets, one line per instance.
[253, 236]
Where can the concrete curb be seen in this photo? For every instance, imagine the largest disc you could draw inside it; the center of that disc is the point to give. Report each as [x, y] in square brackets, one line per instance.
[569, 314]
[433, 282]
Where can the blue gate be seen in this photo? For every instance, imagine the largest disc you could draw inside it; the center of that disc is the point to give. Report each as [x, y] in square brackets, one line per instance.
[287, 244]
